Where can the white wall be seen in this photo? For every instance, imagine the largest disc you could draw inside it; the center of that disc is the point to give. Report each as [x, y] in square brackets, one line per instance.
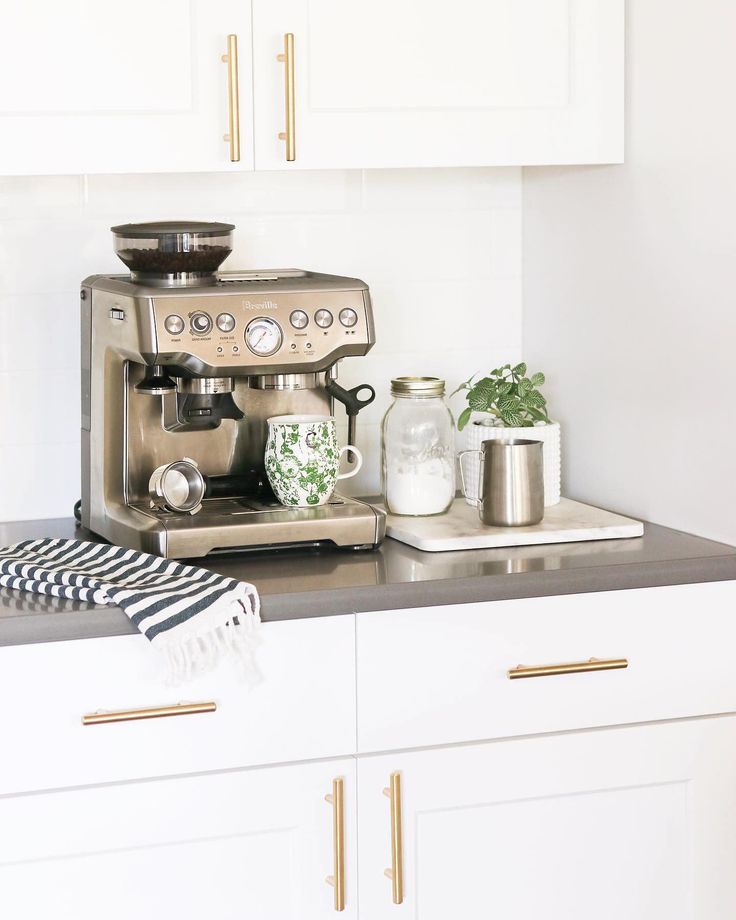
[630, 283]
[440, 250]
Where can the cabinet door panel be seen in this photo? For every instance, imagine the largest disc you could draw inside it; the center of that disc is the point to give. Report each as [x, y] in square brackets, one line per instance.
[416, 84]
[85, 90]
[515, 53]
[633, 822]
[91, 69]
[253, 844]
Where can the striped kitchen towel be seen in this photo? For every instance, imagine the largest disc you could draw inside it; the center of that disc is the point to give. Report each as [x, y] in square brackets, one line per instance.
[195, 616]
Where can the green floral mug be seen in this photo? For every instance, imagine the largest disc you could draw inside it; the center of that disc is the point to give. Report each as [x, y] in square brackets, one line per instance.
[303, 460]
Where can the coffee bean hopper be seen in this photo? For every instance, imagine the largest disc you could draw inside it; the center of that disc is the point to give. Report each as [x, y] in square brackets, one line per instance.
[173, 253]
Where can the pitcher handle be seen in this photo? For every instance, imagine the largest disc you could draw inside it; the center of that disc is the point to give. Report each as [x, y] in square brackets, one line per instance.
[473, 501]
[358, 456]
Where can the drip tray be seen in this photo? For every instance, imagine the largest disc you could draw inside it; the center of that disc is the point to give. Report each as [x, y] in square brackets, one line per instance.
[237, 507]
[250, 522]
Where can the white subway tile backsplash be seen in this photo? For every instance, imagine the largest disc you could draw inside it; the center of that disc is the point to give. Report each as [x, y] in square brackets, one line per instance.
[34, 197]
[39, 481]
[39, 332]
[39, 408]
[456, 314]
[433, 190]
[45, 256]
[440, 249]
[220, 196]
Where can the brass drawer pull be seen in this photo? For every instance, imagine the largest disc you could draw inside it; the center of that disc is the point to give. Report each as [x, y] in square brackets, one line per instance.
[573, 667]
[288, 60]
[155, 712]
[337, 880]
[396, 872]
[233, 98]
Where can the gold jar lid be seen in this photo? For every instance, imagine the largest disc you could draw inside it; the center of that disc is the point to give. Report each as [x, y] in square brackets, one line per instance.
[420, 387]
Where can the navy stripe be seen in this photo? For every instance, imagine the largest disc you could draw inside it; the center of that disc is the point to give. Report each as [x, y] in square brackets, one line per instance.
[145, 586]
[185, 615]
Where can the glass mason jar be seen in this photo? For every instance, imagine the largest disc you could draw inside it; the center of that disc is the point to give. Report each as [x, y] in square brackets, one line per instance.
[418, 448]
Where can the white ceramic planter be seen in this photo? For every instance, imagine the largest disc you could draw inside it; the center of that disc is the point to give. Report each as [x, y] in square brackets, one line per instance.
[481, 428]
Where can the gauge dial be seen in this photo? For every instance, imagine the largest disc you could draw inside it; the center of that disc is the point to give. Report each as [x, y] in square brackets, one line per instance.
[263, 336]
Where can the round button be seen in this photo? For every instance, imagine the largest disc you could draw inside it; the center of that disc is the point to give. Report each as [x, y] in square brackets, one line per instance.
[348, 317]
[299, 319]
[323, 318]
[225, 322]
[201, 323]
[174, 324]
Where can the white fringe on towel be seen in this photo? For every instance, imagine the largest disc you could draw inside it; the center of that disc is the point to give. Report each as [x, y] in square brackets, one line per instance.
[193, 615]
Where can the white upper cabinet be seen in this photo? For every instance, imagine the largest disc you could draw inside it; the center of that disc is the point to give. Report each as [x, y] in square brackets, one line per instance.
[86, 87]
[386, 84]
[90, 88]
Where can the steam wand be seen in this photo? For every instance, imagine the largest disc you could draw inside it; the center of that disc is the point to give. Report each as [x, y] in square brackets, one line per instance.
[353, 404]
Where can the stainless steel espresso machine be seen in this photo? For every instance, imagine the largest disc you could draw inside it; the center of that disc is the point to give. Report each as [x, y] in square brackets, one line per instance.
[181, 368]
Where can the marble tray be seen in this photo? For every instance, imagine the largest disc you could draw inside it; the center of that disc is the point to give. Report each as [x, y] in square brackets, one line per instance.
[460, 528]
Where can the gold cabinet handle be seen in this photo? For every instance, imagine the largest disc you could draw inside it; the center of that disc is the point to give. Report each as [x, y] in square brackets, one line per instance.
[288, 60]
[396, 872]
[572, 667]
[155, 712]
[233, 98]
[337, 879]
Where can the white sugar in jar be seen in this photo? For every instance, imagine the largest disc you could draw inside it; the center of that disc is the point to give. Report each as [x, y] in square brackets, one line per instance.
[418, 448]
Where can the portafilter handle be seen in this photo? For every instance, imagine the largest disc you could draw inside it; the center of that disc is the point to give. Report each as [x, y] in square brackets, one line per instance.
[353, 403]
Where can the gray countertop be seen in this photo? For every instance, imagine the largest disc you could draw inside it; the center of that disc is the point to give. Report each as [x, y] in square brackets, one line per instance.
[308, 583]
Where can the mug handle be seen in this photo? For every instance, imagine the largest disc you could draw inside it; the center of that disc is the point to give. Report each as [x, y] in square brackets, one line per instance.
[356, 453]
[473, 501]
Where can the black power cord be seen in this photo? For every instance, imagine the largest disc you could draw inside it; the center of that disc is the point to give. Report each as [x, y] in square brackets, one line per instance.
[78, 511]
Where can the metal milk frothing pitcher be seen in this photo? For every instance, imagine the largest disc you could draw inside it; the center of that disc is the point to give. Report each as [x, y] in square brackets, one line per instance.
[511, 482]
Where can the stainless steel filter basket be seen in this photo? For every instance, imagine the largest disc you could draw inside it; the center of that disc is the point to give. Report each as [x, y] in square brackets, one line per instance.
[177, 487]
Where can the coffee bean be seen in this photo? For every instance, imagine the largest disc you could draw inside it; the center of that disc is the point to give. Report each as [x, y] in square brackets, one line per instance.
[155, 261]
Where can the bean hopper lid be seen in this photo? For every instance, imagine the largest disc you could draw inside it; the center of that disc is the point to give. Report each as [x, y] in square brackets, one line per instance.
[173, 253]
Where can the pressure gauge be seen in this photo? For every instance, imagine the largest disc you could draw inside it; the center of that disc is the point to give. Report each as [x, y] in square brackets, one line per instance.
[263, 336]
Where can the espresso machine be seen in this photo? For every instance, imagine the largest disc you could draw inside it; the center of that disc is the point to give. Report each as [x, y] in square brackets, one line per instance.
[181, 368]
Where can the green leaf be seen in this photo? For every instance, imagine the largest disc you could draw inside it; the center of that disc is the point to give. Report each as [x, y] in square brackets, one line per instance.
[537, 415]
[535, 399]
[507, 403]
[464, 418]
[511, 419]
[538, 379]
[524, 386]
[482, 395]
[520, 369]
[503, 389]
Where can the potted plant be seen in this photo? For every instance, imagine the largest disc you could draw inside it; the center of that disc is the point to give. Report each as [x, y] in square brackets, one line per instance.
[506, 403]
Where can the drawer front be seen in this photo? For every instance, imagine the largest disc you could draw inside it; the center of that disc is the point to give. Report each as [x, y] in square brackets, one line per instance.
[440, 675]
[298, 703]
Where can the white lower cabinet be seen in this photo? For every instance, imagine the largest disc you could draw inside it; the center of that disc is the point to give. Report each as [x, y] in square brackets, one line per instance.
[635, 822]
[253, 844]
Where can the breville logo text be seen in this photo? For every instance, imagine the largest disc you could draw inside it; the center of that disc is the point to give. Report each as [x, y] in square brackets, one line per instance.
[260, 305]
